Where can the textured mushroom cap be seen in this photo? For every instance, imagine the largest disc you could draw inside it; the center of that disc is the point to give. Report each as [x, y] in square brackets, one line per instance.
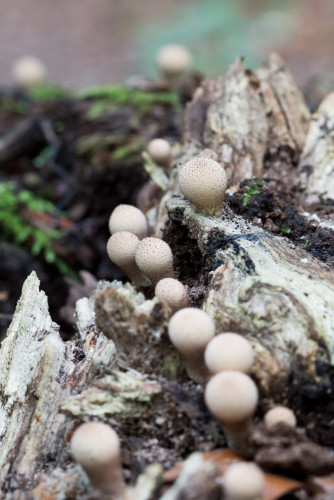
[203, 182]
[280, 414]
[232, 397]
[159, 150]
[229, 351]
[174, 59]
[121, 248]
[95, 444]
[155, 259]
[173, 292]
[128, 218]
[190, 330]
[28, 71]
[244, 481]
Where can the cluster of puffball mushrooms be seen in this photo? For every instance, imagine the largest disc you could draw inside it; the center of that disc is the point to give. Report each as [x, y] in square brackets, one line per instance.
[222, 361]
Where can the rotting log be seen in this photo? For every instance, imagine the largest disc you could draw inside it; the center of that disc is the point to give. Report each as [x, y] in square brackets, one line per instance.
[250, 281]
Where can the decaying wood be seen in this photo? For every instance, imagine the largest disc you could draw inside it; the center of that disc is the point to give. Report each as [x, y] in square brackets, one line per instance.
[317, 160]
[120, 367]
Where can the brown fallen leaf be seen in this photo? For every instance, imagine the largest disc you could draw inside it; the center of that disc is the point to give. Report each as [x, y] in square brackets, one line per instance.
[275, 486]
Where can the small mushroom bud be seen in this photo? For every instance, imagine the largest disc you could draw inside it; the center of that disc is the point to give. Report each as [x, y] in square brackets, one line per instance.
[232, 397]
[28, 71]
[244, 481]
[121, 248]
[229, 351]
[190, 330]
[203, 182]
[174, 59]
[280, 414]
[155, 259]
[128, 218]
[160, 151]
[95, 446]
[173, 292]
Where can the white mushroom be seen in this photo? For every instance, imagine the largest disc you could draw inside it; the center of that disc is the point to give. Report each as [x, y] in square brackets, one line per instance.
[95, 446]
[244, 481]
[28, 71]
[160, 151]
[174, 59]
[203, 182]
[232, 397]
[280, 414]
[229, 351]
[190, 330]
[128, 218]
[121, 248]
[173, 292]
[155, 259]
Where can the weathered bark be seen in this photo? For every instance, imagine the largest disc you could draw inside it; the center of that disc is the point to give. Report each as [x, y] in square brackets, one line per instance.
[251, 282]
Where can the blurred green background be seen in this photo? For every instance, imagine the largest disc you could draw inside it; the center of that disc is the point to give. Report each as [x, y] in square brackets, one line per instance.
[89, 42]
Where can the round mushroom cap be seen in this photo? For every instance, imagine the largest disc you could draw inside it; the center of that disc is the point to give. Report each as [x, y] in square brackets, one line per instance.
[28, 71]
[244, 481]
[155, 259]
[280, 414]
[159, 150]
[128, 218]
[174, 59]
[121, 248]
[173, 292]
[203, 182]
[232, 397]
[229, 351]
[190, 330]
[94, 444]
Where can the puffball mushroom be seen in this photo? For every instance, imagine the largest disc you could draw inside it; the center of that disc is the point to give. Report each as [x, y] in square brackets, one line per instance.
[174, 59]
[173, 292]
[95, 446]
[121, 248]
[232, 397]
[243, 481]
[203, 182]
[155, 259]
[128, 218]
[190, 330]
[28, 71]
[160, 151]
[280, 414]
[229, 351]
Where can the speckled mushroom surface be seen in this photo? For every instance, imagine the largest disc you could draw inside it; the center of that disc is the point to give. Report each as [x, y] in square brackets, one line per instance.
[203, 182]
[155, 259]
[128, 218]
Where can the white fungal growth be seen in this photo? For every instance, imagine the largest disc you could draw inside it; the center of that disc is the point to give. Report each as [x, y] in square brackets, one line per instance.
[128, 218]
[95, 446]
[155, 259]
[190, 330]
[121, 248]
[243, 481]
[229, 351]
[174, 59]
[203, 182]
[232, 397]
[160, 151]
[280, 414]
[28, 71]
[173, 292]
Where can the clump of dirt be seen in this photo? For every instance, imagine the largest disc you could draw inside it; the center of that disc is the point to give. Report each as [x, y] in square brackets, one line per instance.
[258, 201]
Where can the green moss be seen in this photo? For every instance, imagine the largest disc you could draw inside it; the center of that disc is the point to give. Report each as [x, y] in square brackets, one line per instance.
[14, 228]
[251, 189]
[109, 97]
[47, 92]
[285, 230]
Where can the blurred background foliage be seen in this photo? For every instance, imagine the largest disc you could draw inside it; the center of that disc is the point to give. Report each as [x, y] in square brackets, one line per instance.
[220, 31]
[93, 42]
